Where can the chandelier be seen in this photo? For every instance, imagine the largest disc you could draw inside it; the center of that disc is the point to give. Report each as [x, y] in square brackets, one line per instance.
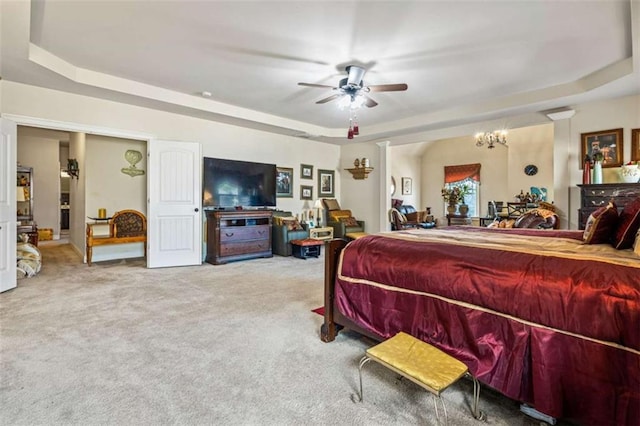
[491, 138]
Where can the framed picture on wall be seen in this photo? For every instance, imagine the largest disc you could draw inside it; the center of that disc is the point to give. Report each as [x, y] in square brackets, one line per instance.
[284, 182]
[407, 185]
[306, 171]
[608, 143]
[635, 144]
[326, 183]
[306, 192]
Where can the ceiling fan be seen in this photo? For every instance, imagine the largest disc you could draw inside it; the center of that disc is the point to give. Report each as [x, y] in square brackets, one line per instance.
[353, 87]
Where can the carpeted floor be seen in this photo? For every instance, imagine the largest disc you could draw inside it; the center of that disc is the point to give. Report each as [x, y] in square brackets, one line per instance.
[117, 343]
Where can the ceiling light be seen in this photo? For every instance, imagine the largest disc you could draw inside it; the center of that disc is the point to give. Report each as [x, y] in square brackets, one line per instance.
[491, 138]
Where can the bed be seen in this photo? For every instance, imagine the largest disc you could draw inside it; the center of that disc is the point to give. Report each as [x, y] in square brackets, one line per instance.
[534, 314]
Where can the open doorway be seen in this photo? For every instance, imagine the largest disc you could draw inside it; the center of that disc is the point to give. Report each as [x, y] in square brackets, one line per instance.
[62, 202]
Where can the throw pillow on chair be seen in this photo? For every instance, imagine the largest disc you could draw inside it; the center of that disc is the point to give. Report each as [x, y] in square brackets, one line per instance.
[349, 221]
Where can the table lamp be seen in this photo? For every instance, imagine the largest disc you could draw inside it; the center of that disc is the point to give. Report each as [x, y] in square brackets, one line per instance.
[318, 205]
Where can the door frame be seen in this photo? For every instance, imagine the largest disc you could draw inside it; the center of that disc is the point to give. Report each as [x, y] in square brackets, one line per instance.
[65, 126]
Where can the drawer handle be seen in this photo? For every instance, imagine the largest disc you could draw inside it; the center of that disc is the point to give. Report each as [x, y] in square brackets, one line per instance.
[262, 232]
[229, 234]
[600, 192]
[597, 203]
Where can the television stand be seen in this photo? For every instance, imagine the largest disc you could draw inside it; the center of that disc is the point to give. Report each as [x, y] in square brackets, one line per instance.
[238, 235]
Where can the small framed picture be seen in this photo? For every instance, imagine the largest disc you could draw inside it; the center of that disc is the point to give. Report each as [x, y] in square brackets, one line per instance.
[635, 144]
[284, 182]
[306, 192]
[407, 184]
[326, 183]
[607, 144]
[306, 171]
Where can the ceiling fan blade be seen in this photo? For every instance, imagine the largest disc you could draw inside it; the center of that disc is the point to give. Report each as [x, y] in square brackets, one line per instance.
[355, 75]
[330, 98]
[370, 103]
[324, 86]
[388, 87]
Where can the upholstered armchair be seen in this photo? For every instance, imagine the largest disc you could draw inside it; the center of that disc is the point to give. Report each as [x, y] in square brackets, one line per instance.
[342, 221]
[286, 228]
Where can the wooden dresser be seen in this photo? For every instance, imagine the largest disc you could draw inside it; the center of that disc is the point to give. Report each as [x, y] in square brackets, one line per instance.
[238, 235]
[594, 196]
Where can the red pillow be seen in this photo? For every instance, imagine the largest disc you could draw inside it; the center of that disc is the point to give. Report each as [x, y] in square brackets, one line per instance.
[601, 225]
[628, 225]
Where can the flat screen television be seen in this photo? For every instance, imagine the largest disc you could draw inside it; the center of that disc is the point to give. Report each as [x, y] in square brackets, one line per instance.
[232, 183]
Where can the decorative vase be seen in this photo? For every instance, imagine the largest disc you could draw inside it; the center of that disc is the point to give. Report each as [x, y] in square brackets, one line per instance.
[630, 173]
[451, 209]
[463, 209]
[597, 172]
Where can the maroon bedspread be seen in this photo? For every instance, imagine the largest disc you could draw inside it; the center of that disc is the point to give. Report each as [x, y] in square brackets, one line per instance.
[547, 321]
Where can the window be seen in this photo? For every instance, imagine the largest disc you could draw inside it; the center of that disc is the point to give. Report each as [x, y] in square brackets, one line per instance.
[469, 175]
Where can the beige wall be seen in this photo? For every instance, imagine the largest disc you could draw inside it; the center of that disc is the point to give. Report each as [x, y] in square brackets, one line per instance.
[502, 175]
[41, 153]
[502, 169]
[217, 139]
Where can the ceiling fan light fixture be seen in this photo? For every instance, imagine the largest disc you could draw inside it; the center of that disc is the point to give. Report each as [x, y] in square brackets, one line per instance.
[344, 102]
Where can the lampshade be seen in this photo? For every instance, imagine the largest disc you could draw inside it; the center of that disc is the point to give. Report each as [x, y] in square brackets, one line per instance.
[318, 204]
[20, 194]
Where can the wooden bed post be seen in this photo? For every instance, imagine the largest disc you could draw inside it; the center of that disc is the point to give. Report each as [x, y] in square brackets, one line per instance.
[328, 330]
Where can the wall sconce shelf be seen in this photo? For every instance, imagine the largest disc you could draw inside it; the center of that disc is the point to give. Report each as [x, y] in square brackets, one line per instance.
[360, 172]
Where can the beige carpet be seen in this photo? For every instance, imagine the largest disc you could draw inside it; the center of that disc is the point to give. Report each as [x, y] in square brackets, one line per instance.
[117, 343]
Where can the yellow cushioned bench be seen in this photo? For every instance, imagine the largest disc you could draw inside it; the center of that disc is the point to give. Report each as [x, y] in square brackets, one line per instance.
[423, 364]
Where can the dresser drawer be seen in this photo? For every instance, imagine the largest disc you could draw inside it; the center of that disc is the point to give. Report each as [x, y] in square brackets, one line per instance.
[245, 247]
[243, 233]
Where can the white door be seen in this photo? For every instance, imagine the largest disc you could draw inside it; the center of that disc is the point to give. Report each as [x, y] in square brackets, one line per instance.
[8, 148]
[174, 229]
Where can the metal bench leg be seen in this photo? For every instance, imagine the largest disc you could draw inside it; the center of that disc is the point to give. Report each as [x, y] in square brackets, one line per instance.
[363, 361]
[475, 410]
[436, 399]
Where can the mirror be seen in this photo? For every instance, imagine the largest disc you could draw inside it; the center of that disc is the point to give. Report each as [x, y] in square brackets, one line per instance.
[393, 186]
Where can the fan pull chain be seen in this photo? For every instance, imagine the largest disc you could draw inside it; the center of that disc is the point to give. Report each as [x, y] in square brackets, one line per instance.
[350, 132]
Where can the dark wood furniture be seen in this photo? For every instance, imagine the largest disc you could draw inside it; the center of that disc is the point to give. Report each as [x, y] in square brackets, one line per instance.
[304, 249]
[238, 235]
[126, 226]
[457, 219]
[595, 196]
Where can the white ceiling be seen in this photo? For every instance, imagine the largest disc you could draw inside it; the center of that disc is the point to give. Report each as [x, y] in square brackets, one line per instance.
[464, 61]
